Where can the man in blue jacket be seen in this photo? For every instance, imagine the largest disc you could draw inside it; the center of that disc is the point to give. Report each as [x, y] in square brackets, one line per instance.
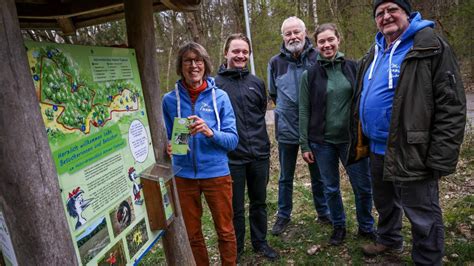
[412, 109]
[284, 72]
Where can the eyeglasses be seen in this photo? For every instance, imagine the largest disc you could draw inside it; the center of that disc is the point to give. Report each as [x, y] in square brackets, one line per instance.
[390, 11]
[289, 33]
[189, 62]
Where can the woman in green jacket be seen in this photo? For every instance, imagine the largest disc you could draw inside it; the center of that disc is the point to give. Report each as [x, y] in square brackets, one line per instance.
[325, 98]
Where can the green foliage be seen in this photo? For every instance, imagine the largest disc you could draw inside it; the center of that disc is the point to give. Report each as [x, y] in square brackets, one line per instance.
[460, 212]
[459, 218]
[354, 19]
[216, 19]
[460, 252]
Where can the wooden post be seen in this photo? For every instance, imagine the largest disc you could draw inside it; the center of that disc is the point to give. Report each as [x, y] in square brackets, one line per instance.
[29, 189]
[141, 36]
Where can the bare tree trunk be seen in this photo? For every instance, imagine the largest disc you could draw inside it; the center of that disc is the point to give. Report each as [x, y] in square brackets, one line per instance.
[238, 15]
[331, 8]
[32, 34]
[437, 9]
[194, 26]
[222, 33]
[222, 39]
[298, 9]
[29, 190]
[315, 13]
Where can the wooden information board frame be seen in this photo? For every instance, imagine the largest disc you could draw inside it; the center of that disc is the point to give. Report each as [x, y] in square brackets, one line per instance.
[155, 198]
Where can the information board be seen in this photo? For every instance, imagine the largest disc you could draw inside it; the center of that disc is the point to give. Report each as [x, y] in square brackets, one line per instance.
[93, 109]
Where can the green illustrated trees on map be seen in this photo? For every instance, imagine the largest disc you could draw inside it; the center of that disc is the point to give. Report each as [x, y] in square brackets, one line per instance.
[74, 102]
[94, 114]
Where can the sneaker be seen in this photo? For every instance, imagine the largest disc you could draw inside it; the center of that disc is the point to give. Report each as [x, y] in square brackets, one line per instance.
[375, 249]
[280, 225]
[267, 251]
[367, 235]
[324, 220]
[338, 235]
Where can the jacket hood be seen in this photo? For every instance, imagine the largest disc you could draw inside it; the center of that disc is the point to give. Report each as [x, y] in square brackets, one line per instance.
[307, 47]
[417, 23]
[404, 43]
[232, 72]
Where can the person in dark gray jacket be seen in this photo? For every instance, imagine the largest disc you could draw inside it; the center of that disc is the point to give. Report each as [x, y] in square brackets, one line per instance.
[284, 73]
[249, 162]
[409, 114]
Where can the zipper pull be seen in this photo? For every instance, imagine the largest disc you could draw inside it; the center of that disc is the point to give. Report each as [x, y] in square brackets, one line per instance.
[452, 78]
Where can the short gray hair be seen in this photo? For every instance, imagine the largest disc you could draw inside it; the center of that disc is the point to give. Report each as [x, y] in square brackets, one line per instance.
[303, 27]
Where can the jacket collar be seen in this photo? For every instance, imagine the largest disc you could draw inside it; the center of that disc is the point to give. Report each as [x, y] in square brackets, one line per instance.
[211, 83]
[233, 73]
[308, 47]
[426, 43]
[325, 62]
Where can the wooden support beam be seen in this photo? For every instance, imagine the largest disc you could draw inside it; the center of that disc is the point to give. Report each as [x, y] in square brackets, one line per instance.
[80, 21]
[74, 8]
[49, 14]
[29, 189]
[40, 25]
[182, 5]
[98, 20]
[141, 36]
[67, 26]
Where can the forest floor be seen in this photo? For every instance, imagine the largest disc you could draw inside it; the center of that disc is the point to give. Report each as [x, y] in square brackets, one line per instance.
[304, 233]
[456, 198]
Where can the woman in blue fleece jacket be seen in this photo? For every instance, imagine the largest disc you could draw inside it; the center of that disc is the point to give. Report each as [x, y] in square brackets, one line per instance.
[204, 169]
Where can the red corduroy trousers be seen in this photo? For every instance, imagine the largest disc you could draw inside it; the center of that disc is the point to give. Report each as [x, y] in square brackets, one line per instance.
[218, 194]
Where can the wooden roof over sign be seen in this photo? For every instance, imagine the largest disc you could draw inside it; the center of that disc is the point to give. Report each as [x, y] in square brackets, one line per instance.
[69, 15]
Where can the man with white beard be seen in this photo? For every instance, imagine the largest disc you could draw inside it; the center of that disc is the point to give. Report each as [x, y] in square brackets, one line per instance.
[284, 72]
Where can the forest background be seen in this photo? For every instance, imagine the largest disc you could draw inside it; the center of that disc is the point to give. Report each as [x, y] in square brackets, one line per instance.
[216, 19]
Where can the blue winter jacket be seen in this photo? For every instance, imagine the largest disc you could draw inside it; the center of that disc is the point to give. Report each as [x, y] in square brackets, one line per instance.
[379, 83]
[284, 74]
[207, 157]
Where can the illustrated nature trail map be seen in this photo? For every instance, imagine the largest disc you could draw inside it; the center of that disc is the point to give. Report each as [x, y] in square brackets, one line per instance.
[94, 113]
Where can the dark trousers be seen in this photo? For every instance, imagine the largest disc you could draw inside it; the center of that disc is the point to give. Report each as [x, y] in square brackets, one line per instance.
[288, 155]
[420, 202]
[255, 174]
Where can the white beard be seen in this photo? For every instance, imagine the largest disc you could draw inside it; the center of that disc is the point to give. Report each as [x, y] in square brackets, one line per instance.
[295, 46]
